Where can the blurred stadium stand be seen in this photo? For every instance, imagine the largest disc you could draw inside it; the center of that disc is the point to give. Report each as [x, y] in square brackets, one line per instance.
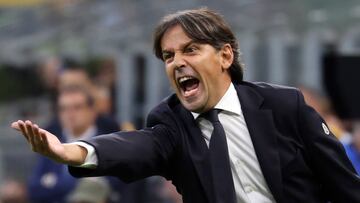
[281, 41]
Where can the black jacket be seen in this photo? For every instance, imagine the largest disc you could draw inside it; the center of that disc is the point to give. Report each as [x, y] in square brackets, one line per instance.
[300, 161]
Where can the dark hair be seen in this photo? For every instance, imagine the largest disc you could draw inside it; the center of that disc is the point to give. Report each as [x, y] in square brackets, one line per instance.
[203, 26]
[90, 100]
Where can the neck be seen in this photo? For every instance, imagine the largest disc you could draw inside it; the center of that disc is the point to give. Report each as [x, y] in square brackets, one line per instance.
[223, 89]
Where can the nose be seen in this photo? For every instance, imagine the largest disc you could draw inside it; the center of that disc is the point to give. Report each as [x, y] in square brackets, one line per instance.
[179, 61]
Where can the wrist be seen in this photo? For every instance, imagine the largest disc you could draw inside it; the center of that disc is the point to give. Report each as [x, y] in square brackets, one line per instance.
[74, 154]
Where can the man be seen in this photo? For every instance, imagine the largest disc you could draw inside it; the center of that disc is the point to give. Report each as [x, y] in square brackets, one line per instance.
[77, 119]
[219, 139]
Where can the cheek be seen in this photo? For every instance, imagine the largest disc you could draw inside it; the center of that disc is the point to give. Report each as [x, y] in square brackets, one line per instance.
[210, 72]
[170, 76]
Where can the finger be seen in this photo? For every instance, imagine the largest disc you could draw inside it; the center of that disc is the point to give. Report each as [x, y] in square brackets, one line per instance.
[45, 140]
[15, 126]
[38, 139]
[23, 130]
[36, 130]
[31, 135]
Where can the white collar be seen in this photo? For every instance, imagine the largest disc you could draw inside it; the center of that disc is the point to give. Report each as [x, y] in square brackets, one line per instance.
[229, 102]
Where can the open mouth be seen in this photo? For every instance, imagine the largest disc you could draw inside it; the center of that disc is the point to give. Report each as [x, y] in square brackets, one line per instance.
[189, 85]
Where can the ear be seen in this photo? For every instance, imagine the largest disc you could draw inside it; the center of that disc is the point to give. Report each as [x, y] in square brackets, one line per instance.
[227, 56]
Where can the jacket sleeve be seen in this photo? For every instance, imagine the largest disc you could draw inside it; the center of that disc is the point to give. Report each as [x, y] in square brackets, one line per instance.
[131, 155]
[327, 156]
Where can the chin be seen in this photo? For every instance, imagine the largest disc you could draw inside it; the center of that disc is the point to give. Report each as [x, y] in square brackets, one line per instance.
[194, 106]
[197, 103]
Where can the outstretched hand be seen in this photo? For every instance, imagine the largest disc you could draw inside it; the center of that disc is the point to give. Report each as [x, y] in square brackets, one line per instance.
[41, 141]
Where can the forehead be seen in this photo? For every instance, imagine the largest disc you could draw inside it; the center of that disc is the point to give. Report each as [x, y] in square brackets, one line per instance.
[174, 38]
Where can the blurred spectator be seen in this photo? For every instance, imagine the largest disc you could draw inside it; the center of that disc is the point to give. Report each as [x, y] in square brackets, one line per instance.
[101, 91]
[75, 76]
[48, 72]
[77, 119]
[348, 132]
[12, 191]
[127, 126]
[352, 146]
[105, 78]
[90, 190]
[103, 100]
[169, 193]
[323, 107]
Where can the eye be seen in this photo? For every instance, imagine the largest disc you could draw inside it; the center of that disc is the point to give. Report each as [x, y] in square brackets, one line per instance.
[167, 55]
[190, 49]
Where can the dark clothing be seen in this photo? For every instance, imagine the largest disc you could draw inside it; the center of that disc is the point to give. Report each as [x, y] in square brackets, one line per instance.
[51, 182]
[300, 160]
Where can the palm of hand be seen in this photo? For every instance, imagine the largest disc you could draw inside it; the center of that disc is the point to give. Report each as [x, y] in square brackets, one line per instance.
[41, 141]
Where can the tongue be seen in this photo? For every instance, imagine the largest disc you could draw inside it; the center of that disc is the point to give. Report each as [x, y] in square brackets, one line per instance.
[191, 84]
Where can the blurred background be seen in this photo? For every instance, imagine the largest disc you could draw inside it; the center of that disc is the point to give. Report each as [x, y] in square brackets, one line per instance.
[62, 60]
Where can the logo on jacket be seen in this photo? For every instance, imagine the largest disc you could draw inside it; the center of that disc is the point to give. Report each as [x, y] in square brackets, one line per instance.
[326, 129]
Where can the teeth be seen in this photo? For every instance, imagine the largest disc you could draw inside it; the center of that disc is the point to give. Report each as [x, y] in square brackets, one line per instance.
[185, 78]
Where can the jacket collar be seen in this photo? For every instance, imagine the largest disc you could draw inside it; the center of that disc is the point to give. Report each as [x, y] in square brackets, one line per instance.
[261, 126]
[198, 151]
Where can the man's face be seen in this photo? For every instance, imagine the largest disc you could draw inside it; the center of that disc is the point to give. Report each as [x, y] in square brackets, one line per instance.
[197, 72]
[75, 114]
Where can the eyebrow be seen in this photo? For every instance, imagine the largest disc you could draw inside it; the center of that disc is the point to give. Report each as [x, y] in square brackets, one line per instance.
[181, 47]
